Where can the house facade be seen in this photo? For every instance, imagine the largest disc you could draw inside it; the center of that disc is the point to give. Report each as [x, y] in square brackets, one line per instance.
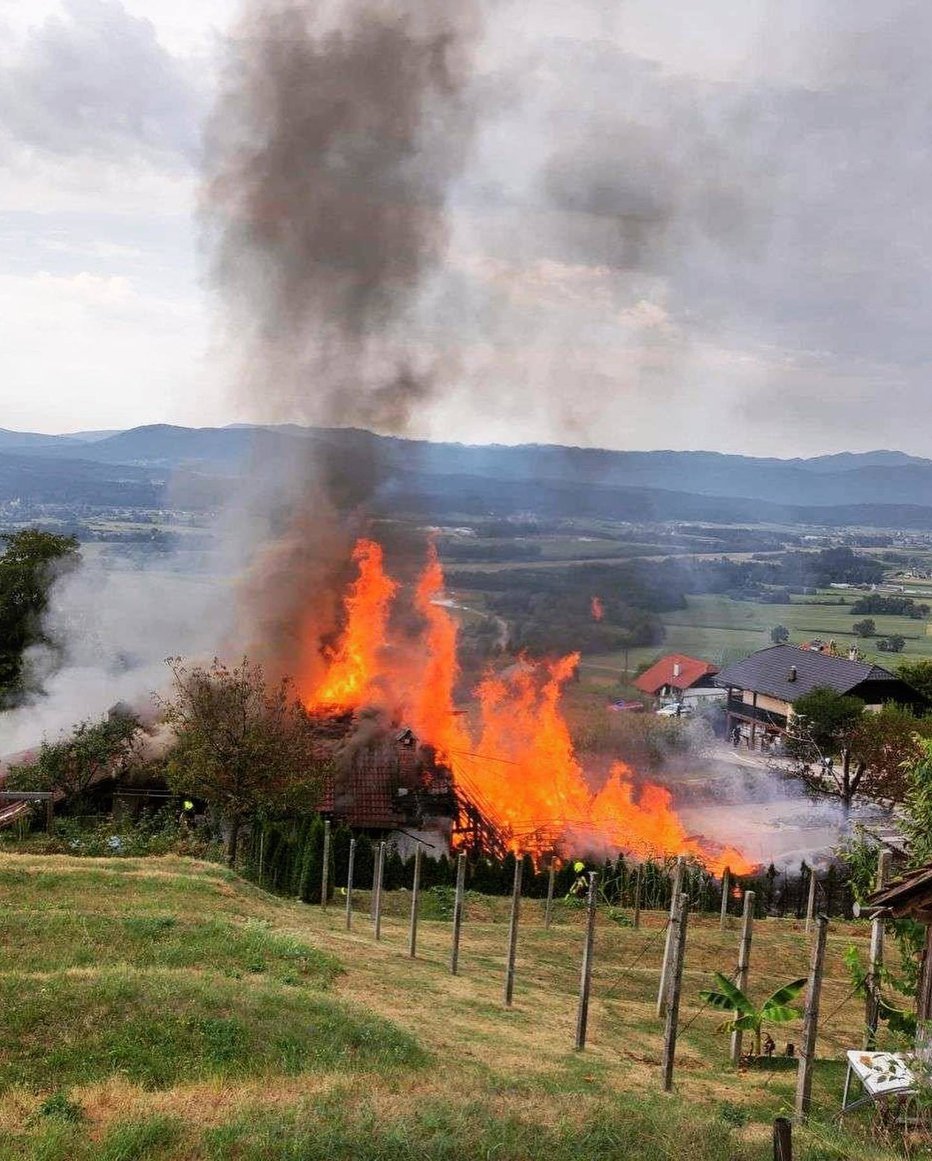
[762, 688]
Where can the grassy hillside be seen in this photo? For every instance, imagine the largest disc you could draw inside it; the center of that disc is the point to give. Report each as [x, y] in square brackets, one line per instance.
[165, 1009]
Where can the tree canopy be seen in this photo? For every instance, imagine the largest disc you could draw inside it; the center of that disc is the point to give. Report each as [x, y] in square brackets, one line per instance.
[918, 674]
[241, 745]
[30, 563]
[75, 762]
[822, 719]
[884, 746]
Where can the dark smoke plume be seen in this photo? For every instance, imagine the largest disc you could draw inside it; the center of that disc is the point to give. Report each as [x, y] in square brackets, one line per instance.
[337, 134]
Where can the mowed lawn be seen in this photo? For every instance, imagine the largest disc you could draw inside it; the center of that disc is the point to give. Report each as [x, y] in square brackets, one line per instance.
[164, 1008]
[722, 630]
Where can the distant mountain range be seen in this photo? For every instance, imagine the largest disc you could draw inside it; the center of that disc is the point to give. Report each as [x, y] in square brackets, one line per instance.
[162, 465]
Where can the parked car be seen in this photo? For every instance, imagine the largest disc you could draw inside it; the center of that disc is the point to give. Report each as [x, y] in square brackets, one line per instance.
[677, 709]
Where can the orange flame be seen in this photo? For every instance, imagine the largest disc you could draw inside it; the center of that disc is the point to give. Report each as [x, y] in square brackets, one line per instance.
[598, 609]
[519, 765]
[355, 663]
[432, 714]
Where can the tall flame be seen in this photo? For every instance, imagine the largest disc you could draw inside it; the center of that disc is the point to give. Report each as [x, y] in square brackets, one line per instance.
[519, 765]
[355, 664]
[432, 714]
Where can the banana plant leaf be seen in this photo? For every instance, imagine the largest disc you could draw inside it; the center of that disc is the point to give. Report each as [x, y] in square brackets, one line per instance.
[785, 995]
[729, 998]
[778, 1013]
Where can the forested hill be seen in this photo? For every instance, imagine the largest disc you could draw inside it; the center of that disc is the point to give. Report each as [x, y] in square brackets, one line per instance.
[884, 488]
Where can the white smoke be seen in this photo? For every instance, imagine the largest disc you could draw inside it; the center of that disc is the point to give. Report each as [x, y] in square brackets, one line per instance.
[115, 625]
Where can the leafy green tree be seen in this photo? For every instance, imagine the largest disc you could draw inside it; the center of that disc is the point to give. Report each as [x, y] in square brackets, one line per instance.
[822, 723]
[749, 1017]
[31, 561]
[822, 719]
[93, 751]
[240, 744]
[918, 674]
[892, 644]
[883, 746]
[865, 628]
[779, 634]
[917, 815]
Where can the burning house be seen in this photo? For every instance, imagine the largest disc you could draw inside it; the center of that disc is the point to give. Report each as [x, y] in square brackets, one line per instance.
[503, 775]
[387, 783]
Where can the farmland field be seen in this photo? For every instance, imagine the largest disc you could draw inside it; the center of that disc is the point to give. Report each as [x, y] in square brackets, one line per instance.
[722, 630]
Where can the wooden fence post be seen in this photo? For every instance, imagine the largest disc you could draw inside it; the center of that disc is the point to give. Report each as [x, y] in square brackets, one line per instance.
[637, 896]
[782, 1139]
[513, 934]
[458, 911]
[726, 888]
[678, 923]
[325, 874]
[548, 909]
[811, 1022]
[668, 944]
[379, 873]
[875, 962]
[415, 898]
[585, 975]
[349, 884]
[744, 964]
[810, 902]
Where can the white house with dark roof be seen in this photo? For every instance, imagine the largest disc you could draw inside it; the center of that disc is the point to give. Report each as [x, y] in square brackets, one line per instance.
[763, 688]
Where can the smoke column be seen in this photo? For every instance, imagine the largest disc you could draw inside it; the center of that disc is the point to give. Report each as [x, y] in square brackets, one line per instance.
[338, 131]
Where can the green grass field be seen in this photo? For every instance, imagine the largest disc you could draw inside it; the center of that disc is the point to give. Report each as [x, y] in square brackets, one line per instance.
[722, 630]
[164, 1009]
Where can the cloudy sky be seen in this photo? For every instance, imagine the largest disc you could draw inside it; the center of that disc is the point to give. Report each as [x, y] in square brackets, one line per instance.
[673, 225]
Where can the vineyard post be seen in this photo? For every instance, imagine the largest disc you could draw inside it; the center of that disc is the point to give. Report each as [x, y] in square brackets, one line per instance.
[668, 944]
[875, 965]
[548, 910]
[811, 1022]
[726, 888]
[585, 975]
[637, 896]
[415, 896]
[810, 902]
[379, 874]
[513, 934]
[678, 924]
[325, 875]
[458, 911]
[349, 884]
[782, 1139]
[744, 964]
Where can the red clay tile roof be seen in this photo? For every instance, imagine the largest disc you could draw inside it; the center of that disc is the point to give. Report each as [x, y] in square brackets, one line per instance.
[691, 669]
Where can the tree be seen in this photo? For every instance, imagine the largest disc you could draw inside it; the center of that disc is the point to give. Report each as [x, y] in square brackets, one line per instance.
[892, 644]
[865, 628]
[240, 744]
[779, 634]
[918, 674]
[822, 721]
[775, 1009]
[94, 750]
[883, 747]
[822, 718]
[32, 560]
[917, 815]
